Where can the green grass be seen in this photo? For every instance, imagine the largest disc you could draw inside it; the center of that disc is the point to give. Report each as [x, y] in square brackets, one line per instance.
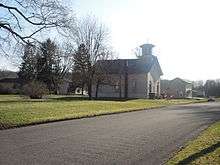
[217, 99]
[202, 151]
[18, 111]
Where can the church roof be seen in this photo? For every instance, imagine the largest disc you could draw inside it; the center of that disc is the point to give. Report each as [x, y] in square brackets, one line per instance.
[132, 66]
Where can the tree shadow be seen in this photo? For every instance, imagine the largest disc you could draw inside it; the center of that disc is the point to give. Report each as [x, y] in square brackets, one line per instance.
[199, 154]
[22, 101]
[70, 98]
[75, 98]
[114, 99]
[63, 98]
[212, 115]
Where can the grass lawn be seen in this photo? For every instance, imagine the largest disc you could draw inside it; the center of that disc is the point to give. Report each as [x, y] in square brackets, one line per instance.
[203, 150]
[18, 111]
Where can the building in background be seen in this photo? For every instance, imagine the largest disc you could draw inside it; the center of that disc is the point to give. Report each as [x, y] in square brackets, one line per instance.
[9, 82]
[176, 88]
[129, 78]
[198, 89]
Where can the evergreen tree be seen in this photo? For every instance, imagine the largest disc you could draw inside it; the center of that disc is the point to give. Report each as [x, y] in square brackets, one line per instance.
[46, 63]
[81, 66]
[27, 67]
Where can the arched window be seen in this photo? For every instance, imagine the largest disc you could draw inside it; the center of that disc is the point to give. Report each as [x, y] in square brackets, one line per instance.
[116, 86]
[150, 87]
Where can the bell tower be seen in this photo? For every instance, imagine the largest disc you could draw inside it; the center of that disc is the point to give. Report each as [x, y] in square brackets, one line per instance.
[147, 51]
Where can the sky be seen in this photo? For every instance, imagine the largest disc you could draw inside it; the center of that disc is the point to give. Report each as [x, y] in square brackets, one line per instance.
[186, 33]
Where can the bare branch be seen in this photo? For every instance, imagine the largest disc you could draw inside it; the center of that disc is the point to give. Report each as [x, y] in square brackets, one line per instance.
[22, 20]
[8, 28]
[18, 23]
[26, 18]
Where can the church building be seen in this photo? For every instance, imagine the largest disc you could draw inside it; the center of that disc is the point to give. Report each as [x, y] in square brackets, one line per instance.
[129, 78]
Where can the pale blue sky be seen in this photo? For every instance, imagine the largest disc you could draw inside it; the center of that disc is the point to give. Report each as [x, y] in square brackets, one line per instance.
[186, 33]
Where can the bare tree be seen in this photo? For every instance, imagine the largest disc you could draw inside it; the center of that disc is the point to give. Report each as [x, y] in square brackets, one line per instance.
[63, 65]
[94, 36]
[22, 20]
[102, 76]
[137, 52]
[67, 51]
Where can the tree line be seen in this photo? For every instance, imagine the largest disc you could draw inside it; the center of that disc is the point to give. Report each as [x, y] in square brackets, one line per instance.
[45, 63]
[49, 63]
[209, 88]
[212, 88]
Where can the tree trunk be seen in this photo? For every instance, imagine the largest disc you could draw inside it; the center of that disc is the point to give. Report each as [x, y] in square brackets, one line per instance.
[89, 86]
[126, 79]
[82, 89]
[90, 91]
[91, 74]
[97, 89]
[55, 86]
[120, 87]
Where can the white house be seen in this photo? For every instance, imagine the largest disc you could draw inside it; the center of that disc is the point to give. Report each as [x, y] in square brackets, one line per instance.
[177, 88]
[129, 78]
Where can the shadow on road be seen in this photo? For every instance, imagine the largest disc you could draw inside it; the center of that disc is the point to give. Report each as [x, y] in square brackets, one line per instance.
[211, 115]
[200, 154]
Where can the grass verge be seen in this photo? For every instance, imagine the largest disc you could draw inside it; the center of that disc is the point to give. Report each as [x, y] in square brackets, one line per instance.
[16, 111]
[203, 150]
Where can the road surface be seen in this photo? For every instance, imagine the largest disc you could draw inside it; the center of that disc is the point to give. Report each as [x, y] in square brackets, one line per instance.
[142, 137]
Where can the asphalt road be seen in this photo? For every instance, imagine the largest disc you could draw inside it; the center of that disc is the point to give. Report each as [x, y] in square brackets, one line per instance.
[143, 137]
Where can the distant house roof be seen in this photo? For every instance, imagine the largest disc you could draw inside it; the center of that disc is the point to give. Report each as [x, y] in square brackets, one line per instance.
[168, 84]
[8, 74]
[182, 80]
[132, 65]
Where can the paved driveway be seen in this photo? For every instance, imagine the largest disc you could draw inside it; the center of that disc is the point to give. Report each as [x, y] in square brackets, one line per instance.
[143, 137]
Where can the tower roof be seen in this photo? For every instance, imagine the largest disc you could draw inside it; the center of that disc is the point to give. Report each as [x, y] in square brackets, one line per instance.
[147, 45]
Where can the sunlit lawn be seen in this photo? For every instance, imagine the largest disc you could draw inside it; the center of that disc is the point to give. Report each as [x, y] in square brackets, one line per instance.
[203, 150]
[17, 111]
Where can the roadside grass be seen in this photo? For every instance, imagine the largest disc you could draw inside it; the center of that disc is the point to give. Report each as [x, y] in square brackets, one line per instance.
[19, 111]
[203, 150]
[218, 99]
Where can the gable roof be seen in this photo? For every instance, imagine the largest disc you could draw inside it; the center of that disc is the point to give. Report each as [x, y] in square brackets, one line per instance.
[182, 80]
[168, 84]
[156, 70]
[8, 74]
[131, 65]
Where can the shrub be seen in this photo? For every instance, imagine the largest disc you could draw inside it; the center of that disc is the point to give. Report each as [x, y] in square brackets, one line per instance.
[35, 90]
